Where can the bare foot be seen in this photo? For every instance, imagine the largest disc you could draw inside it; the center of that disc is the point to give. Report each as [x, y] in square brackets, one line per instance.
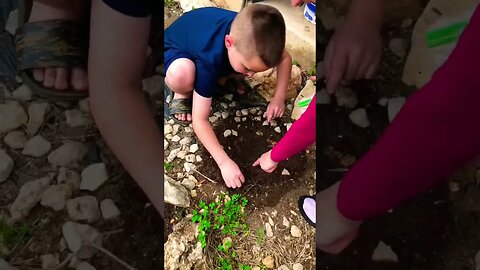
[60, 79]
[183, 116]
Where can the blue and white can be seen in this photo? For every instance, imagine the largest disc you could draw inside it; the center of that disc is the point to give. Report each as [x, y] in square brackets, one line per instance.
[309, 12]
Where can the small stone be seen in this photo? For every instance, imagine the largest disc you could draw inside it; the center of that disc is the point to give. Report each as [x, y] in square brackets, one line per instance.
[257, 118]
[75, 118]
[228, 96]
[238, 113]
[176, 128]
[264, 115]
[227, 133]
[50, 261]
[359, 117]
[237, 119]
[93, 176]
[234, 133]
[165, 145]
[182, 154]
[193, 193]
[36, 116]
[193, 148]
[84, 105]
[244, 119]
[83, 208]
[171, 122]
[288, 125]
[268, 262]
[278, 130]
[218, 114]
[232, 104]
[168, 136]
[253, 111]
[189, 167]
[394, 106]
[384, 253]
[295, 231]
[190, 158]
[198, 158]
[244, 112]
[173, 154]
[36, 147]
[56, 196]
[188, 183]
[69, 177]
[186, 141]
[398, 46]
[68, 154]
[12, 116]
[175, 193]
[109, 209]
[289, 107]
[6, 165]
[176, 138]
[74, 262]
[285, 222]
[297, 266]
[259, 133]
[270, 221]
[454, 186]
[323, 97]
[213, 119]
[383, 101]
[167, 129]
[265, 123]
[225, 115]
[273, 123]
[15, 139]
[259, 113]
[76, 234]
[188, 130]
[85, 266]
[285, 172]
[224, 105]
[28, 197]
[283, 267]
[256, 268]
[346, 97]
[23, 93]
[268, 230]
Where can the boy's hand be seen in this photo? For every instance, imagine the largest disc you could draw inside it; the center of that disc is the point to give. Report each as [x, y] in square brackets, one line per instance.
[266, 162]
[275, 109]
[231, 174]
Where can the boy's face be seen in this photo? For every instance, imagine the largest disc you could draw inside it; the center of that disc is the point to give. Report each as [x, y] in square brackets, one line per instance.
[240, 63]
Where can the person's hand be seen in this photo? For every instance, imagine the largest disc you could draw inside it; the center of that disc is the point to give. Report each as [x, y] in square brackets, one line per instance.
[275, 109]
[266, 162]
[354, 51]
[298, 2]
[231, 174]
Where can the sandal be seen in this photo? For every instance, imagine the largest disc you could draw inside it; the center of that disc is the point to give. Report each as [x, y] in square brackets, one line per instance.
[307, 207]
[48, 44]
[175, 106]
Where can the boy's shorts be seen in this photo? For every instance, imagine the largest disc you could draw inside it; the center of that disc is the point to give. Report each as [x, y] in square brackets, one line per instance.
[171, 55]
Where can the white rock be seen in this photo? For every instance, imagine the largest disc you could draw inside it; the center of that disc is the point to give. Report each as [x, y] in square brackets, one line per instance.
[171, 122]
[278, 130]
[383, 101]
[285, 172]
[165, 145]
[74, 261]
[5, 266]
[28, 197]
[270, 221]
[218, 114]
[384, 253]
[225, 115]
[288, 125]
[69, 177]
[359, 117]
[50, 261]
[173, 154]
[176, 138]
[175, 193]
[83, 208]
[268, 230]
[253, 111]
[234, 133]
[295, 231]
[189, 167]
[259, 113]
[93, 176]
[238, 113]
[6, 165]
[167, 129]
[273, 123]
[297, 266]
[244, 112]
[15, 139]
[23, 93]
[213, 119]
[229, 96]
[176, 128]
[285, 222]
[346, 97]
[259, 133]
[227, 133]
[244, 119]
[190, 158]
[188, 130]
[188, 183]
[36, 116]
[283, 267]
[75, 118]
[323, 97]
[198, 158]
[12, 116]
[186, 141]
[265, 123]
[237, 119]
[224, 105]
[398, 46]
[193, 148]
[168, 136]
[109, 209]
[269, 262]
[76, 234]
[56, 196]
[84, 105]
[289, 107]
[394, 106]
[11, 27]
[257, 118]
[68, 154]
[182, 154]
[36, 147]
[85, 266]
[193, 193]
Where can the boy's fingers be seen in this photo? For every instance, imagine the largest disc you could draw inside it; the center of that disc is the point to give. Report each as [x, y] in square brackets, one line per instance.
[256, 162]
[242, 178]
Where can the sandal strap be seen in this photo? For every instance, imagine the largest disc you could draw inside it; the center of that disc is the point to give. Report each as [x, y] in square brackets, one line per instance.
[181, 105]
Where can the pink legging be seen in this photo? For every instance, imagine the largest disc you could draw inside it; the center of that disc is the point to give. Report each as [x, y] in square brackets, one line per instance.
[435, 133]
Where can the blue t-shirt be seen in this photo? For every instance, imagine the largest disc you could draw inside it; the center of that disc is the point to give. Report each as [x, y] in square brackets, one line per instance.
[200, 34]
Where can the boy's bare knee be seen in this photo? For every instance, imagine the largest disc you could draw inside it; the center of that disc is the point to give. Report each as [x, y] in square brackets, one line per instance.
[181, 75]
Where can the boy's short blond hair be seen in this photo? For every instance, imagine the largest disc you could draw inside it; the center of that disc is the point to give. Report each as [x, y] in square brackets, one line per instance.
[260, 31]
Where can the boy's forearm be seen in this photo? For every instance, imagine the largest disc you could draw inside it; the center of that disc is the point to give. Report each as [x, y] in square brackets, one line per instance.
[368, 11]
[204, 131]
[284, 70]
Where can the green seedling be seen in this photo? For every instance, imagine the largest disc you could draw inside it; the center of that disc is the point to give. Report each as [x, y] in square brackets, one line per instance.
[11, 236]
[167, 166]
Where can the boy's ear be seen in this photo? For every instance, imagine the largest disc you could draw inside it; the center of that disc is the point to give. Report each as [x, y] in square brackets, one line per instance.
[228, 41]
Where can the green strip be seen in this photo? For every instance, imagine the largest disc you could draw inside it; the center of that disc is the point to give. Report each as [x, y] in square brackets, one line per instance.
[446, 34]
[304, 102]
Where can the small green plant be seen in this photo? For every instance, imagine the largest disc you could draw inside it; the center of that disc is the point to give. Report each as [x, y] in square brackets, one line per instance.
[260, 233]
[295, 63]
[169, 3]
[227, 217]
[11, 236]
[313, 70]
[167, 166]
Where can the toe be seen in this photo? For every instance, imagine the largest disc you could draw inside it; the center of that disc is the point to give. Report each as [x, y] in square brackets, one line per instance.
[50, 75]
[61, 81]
[38, 74]
[79, 79]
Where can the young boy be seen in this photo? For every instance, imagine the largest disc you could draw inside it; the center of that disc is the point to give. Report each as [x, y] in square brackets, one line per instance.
[208, 43]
